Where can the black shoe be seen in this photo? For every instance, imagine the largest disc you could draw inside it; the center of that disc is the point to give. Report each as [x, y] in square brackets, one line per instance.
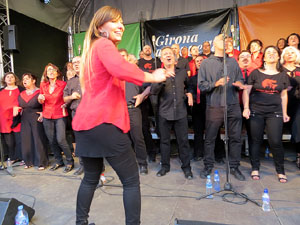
[151, 158]
[56, 166]
[163, 171]
[205, 172]
[79, 171]
[68, 168]
[197, 158]
[143, 170]
[237, 174]
[188, 174]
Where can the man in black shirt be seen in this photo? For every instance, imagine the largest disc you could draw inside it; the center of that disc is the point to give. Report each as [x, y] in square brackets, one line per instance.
[172, 113]
[206, 49]
[134, 96]
[211, 80]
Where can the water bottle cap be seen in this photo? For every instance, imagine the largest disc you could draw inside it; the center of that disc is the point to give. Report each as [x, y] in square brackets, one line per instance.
[208, 176]
[216, 172]
[20, 207]
[266, 190]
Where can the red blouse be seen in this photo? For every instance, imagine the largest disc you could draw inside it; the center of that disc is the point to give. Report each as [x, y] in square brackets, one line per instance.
[256, 63]
[103, 100]
[8, 99]
[52, 107]
[193, 68]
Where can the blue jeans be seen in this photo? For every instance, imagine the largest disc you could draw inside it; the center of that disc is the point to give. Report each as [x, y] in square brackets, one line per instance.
[55, 130]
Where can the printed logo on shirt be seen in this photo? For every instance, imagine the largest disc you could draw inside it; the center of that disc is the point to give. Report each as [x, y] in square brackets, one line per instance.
[148, 66]
[268, 83]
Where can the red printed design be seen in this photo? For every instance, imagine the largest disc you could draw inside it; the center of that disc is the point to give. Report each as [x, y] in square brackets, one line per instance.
[272, 84]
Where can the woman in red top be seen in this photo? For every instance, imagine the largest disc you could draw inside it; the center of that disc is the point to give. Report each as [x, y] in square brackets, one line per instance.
[101, 121]
[255, 48]
[54, 114]
[8, 99]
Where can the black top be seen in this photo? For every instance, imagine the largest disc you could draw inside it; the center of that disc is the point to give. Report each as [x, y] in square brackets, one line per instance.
[294, 77]
[210, 72]
[73, 85]
[148, 65]
[132, 90]
[183, 63]
[265, 96]
[192, 88]
[171, 96]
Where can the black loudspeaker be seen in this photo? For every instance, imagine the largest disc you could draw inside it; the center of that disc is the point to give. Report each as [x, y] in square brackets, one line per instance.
[10, 37]
[190, 222]
[9, 209]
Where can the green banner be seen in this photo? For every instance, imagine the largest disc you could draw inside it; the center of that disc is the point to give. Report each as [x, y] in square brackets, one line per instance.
[131, 40]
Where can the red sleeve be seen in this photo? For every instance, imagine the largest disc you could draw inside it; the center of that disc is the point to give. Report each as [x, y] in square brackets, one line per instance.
[115, 64]
[42, 88]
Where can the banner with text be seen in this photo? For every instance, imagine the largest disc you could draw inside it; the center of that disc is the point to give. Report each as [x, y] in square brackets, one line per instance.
[186, 30]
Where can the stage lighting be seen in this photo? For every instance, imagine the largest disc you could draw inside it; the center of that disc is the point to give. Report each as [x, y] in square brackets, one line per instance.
[45, 1]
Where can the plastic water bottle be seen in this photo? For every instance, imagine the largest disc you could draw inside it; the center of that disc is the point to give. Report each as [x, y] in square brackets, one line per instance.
[9, 166]
[266, 201]
[267, 153]
[103, 178]
[209, 187]
[217, 181]
[21, 217]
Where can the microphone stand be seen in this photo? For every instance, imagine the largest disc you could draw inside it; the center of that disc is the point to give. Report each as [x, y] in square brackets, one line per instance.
[154, 51]
[227, 186]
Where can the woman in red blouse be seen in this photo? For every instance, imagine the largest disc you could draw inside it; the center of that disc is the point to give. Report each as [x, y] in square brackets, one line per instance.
[54, 114]
[8, 99]
[101, 121]
[255, 48]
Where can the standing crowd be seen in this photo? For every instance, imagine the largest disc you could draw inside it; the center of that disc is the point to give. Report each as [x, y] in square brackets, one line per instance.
[110, 117]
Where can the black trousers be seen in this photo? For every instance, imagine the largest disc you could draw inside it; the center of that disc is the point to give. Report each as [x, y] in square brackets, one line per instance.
[12, 145]
[272, 123]
[136, 135]
[214, 120]
[181, 131]
[198, 117]
[126, 168]
[150, 146]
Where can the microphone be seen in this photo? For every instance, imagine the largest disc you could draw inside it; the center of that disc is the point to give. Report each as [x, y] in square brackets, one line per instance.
[154, 50]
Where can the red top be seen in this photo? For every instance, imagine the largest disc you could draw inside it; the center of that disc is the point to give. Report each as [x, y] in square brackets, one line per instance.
[103, 100]
[256, 63]
[234, 54]
[52, 107]
[27, 97]
[193, 67]
[8, 99]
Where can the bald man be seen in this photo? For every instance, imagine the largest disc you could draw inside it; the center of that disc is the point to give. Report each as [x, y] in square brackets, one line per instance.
[211, 80]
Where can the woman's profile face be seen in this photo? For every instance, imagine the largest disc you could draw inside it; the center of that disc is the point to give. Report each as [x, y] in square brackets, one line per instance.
[255, 47]
[290, 56]
[10, 79]
[281, 44]
[114, 29]
[293, 40]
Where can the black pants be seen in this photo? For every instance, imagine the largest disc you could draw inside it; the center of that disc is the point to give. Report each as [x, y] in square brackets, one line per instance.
[214, 120]
[136, 135]
[181, 131]
[272, 123]
[12, 145]
[198, 117]
[145, 107]
[126, 168]
[55, 130]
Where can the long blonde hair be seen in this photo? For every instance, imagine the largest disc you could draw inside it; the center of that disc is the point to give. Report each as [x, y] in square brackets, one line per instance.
[103, 15]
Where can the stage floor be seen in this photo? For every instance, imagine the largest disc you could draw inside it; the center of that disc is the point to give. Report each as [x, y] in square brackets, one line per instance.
[163, 198]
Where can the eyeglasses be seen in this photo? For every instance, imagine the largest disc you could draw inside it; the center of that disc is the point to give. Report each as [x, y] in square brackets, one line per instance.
[51, 69]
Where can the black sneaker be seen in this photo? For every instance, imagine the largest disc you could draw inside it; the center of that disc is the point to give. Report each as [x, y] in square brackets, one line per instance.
[163, 171]
[143, 170]
[205, 172]
[237, 174]
[188, 174]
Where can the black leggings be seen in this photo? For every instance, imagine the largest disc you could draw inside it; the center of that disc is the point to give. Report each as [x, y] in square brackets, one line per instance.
[273, 123]
[126, 168]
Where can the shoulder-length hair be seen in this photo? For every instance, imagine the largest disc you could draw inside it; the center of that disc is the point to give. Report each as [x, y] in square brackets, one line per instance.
[259, 42]
[45, 78]
[5, 75]
[290, 48]
[278, 65]
[103, 15]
